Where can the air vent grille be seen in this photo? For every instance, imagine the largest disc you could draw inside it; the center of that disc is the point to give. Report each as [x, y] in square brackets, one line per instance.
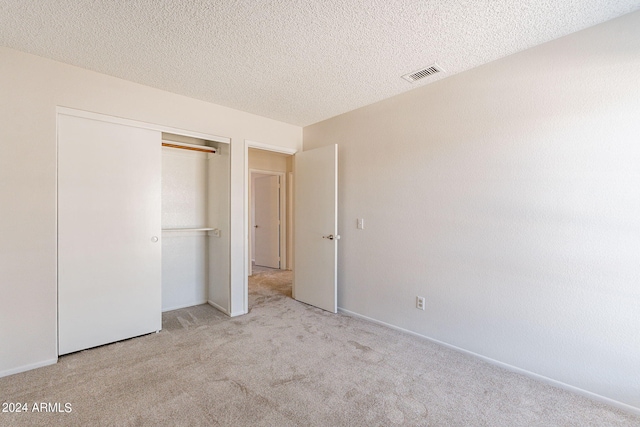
[422, 73]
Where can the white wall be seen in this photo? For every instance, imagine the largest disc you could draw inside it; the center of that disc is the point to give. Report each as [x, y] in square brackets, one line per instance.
[509, 197]
[31, 88]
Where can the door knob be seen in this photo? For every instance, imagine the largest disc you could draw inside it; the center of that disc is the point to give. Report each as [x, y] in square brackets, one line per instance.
[255, 226]
[154, 239]
[332, 237]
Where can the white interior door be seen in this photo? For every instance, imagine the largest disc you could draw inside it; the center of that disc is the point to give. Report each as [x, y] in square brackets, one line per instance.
[316, 227]
[109, 254]
[267, 221]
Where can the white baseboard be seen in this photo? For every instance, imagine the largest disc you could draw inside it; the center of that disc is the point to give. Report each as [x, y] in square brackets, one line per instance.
[28, 367]
[177, 307]
[238, 313]
[559, 384]
[224, 310]
[219, 308]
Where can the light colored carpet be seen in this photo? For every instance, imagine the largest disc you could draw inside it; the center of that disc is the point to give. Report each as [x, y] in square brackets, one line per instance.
[288, 364]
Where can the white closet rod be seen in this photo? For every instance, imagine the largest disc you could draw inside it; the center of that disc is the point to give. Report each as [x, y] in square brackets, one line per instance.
[185, 146]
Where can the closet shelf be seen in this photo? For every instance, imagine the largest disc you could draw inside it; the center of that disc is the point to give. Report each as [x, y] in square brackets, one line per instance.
[177, 230]
[192, 147]
[213, 232]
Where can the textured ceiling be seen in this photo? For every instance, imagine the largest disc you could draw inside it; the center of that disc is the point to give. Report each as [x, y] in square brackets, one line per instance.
[296, 61]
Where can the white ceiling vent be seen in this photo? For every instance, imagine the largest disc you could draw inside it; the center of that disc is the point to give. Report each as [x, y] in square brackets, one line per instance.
[422, 73]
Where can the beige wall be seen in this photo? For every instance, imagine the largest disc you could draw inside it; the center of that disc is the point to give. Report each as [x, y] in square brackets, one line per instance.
[31, 88]
[509, 197]
[269, 161]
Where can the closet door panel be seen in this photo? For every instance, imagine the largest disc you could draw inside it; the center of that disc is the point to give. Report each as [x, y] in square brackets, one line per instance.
[109, 230]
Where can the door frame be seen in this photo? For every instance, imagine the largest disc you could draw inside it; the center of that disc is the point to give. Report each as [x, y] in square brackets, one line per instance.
[282, 202]
[138, 124]
[247, 184]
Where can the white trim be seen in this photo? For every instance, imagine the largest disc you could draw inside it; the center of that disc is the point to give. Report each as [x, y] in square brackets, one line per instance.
[238, 313]
[247, 263]
[269, 147]
[178, 307]
[290, 219]
[135, 123]
[542, 378]
[245, 228]
[218, 307]
[56, 237]
[25, 368]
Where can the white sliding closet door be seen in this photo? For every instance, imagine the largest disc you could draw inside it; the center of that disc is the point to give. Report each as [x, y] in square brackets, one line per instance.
[109, 253]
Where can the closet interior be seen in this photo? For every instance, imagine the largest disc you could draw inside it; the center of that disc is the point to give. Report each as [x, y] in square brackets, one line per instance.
[195, 222]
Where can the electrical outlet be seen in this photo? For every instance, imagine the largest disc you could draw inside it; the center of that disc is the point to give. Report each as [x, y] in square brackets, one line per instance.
[360, 223]
[420, 303]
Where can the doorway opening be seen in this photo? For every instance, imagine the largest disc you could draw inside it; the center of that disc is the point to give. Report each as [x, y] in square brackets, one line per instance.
[270, 213]
[314, 248]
